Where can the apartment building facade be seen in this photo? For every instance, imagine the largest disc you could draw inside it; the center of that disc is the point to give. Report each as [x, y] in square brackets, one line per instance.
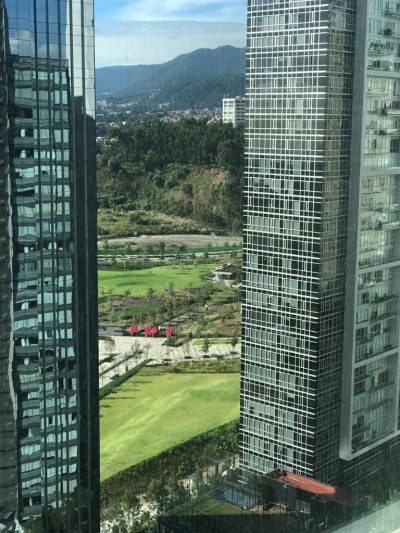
[234, 111]
[320, 378]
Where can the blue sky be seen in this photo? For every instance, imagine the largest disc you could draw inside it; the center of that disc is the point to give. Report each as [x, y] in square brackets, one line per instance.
[154, 31]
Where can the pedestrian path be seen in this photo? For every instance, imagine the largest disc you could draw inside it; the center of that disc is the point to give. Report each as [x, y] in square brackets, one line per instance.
[152, 348]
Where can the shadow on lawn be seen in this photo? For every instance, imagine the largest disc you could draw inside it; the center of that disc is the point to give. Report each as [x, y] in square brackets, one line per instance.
[123, 398]
[137, 382]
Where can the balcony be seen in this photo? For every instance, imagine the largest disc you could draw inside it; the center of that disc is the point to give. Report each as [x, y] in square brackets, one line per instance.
[391, 13]
[371, 353]
[387, 31]
[365, 340]
[392, 109]
[387, 131]
[380, 386]
[373, 283]
[377, 51]
[391, 225]
[386, 298]
[381, 403]
[362, 377]
[378, 259]
[385, 207]
[359, 430]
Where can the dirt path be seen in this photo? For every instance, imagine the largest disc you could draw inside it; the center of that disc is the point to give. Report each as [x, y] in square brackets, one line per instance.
[190, 241]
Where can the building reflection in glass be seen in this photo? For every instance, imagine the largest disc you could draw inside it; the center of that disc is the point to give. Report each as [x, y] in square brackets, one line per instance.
[48, 285]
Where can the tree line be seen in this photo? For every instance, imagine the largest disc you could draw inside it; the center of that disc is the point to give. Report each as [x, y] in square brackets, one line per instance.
[171, 168]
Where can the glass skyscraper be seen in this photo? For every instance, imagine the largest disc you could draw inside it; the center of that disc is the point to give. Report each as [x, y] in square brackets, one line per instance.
[49, 440]
[320, 372]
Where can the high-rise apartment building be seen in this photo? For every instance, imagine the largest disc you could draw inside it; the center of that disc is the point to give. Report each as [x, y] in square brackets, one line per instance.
[49, 439]
[320, 379]
[234, 111]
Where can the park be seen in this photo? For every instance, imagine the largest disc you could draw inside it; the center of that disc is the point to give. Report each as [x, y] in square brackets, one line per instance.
[151, 413]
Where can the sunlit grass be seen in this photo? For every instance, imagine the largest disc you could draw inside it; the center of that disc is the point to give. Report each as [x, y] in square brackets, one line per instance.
[159, 278]
[151, 413]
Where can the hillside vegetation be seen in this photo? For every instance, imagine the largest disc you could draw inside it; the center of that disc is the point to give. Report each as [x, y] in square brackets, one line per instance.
[193, 94]
[199, 79]
[187, 169]
[117, 78]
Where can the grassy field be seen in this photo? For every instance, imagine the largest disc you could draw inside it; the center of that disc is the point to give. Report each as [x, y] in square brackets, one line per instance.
[150, 413]
[138, 281]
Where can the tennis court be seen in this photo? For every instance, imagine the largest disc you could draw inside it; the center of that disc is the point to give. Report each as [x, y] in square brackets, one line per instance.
[235, 497]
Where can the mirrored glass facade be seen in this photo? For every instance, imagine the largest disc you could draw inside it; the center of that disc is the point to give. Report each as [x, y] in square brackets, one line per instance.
[49, 442]
[370, 398]
[319, 388]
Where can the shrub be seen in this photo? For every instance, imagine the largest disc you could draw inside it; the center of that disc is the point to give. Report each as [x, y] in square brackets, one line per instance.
[107, 389]
[176, 343]
[180, 460]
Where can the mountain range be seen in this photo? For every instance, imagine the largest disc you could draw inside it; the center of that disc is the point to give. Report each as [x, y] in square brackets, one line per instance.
[198, 79]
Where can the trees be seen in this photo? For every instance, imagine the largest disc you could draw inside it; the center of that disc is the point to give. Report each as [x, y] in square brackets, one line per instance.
[109, 345]
[161, 246]
[72, 513]
[33, 525]
[198, 482]
[150, 292]
[156, 495]
[170, 289]
[135, 350]
[124, 515]
[234, 339]
[149, 248]
[142, 317]
[152, 314]
[187, 346]
[156, 155]
[163, 495]
[206, 346]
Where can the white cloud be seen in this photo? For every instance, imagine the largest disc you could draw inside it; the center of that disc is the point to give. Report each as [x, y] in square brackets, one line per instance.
[128, 43]
[190, 10]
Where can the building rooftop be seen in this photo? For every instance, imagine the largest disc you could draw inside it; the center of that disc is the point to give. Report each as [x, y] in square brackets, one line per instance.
[322, 492]
[228, 267]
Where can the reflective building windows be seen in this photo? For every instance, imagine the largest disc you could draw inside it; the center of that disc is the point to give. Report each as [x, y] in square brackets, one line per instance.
[320, 378]
[48, 349]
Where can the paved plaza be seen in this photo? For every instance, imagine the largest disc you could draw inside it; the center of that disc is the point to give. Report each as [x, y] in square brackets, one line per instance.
[152, 348]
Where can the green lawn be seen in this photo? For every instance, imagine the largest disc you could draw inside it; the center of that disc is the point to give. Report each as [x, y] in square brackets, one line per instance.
[138, 281]
[149, 414]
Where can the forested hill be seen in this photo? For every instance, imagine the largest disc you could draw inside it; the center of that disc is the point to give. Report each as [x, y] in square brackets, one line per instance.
[114, 79]
[194, 95]
[196, 80]
[190, 168]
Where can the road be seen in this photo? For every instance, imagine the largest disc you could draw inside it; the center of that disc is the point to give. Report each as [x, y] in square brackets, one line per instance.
[190, 241]
[152, 349]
